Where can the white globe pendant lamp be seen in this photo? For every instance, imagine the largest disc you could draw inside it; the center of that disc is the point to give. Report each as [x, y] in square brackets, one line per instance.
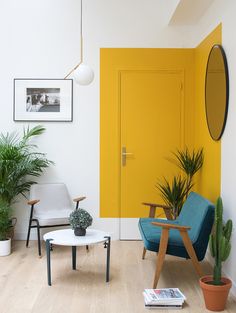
[82, 73]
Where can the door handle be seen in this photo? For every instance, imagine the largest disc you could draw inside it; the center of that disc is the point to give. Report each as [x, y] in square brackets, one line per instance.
[124, 154]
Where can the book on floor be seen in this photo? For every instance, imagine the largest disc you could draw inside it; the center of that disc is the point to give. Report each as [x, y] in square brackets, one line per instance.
[170, 298]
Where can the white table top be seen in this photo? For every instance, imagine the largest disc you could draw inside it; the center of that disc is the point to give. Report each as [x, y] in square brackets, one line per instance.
[66, 237]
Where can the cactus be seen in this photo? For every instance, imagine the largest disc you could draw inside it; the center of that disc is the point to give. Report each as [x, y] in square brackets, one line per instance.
[220, 241]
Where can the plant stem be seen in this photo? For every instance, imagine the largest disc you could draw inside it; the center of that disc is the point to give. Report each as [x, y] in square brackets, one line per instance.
[217, 274]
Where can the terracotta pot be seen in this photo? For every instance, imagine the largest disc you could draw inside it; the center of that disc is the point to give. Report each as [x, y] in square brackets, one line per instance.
[215, 296]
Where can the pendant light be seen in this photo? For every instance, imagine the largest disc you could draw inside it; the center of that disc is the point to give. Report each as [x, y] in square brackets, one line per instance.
[83, 74]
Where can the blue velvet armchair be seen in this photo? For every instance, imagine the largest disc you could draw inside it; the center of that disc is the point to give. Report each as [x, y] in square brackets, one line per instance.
[185, 237]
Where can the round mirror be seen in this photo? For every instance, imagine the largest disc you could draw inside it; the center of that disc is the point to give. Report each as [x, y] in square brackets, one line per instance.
[216, 91]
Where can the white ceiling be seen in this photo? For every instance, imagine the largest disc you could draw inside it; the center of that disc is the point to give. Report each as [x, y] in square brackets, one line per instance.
[189, 12]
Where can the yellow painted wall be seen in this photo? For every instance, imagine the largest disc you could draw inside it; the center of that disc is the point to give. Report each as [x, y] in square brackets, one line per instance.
[209, 180]
[193, 62]
[112, 61]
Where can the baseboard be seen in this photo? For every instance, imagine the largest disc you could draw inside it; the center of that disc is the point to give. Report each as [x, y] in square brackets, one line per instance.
[22, 236]
[233, 289]
[33, 234]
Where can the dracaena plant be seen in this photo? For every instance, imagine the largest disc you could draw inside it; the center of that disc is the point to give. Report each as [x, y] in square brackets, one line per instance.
[189, 162]
[20, 163]
[175, 193]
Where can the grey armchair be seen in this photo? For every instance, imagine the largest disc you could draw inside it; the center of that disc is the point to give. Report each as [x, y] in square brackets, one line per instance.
[50, 207]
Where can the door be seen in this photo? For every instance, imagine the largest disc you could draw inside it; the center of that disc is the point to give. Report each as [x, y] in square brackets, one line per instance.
[151, 127]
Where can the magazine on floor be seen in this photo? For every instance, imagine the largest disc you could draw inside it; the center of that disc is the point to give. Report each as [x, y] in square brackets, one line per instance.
[163, 298]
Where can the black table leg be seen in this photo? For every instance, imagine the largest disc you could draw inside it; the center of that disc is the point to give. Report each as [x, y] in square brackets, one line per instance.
[48, 251]
[107, 245]
[74, 257]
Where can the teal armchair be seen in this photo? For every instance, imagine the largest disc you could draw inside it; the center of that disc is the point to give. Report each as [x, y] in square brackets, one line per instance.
[185, 237]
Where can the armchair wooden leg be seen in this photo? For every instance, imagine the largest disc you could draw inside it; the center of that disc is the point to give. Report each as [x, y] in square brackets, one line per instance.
[161, 255]
[144, 253]
[189, 247]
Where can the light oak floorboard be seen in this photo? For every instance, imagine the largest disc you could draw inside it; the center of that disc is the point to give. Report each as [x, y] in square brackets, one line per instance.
[24, 289]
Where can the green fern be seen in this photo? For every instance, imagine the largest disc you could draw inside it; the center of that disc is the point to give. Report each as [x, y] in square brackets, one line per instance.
[5, 220]
[20, 163]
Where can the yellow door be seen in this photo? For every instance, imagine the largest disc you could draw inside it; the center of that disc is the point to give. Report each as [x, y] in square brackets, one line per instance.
[151, 128]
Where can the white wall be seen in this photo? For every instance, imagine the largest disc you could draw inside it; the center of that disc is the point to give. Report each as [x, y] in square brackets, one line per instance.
[40, 39]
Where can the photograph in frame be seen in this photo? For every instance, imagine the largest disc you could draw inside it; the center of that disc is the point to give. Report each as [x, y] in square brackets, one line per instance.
[43, 100]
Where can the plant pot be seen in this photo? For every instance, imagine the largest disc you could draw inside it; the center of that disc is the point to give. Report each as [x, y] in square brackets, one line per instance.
[79, 231]
[215, 296]
[5, 247]
[12, 228]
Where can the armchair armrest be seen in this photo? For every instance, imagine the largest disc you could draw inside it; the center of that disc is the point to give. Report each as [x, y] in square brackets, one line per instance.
[172, 226]
[33, 202]
[157, 205]
[153, 206]
[77, 200]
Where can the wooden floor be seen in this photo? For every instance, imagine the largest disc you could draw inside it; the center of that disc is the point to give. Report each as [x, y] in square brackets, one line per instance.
[23, 281]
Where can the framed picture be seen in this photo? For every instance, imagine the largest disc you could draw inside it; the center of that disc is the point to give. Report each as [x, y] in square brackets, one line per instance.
[43, 100]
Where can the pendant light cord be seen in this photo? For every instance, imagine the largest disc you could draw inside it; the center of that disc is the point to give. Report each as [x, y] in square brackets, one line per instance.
[81, 40]
[81, 31]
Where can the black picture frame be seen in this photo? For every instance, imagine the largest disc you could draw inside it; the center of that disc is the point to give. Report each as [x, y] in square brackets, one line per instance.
[42, 100]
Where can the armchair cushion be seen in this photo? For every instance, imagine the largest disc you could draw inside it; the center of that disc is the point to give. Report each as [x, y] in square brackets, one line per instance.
[198, 213]
[53, 217]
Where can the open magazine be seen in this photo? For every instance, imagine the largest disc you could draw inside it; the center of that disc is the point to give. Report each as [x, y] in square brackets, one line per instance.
[164, 298]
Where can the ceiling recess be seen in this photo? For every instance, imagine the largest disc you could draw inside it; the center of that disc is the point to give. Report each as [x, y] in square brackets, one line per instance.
[189, 12]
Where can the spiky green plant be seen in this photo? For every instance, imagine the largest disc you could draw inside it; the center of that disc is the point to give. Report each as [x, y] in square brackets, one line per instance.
[174, 193]
[189, 162]
[19, 163]
[220, 245]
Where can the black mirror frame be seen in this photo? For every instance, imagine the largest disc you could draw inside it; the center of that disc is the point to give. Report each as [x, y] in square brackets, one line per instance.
[227, 90]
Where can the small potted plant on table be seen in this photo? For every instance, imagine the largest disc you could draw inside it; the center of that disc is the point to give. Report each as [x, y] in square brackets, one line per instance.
[80, 219]
[5, 226]
[216, 288]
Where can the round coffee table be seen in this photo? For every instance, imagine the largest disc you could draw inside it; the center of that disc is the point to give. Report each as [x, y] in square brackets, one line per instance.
[66, 237]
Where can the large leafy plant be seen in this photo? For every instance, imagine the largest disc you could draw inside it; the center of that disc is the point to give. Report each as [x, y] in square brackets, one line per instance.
[5, 221]
[175, 193]
[19, 163]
